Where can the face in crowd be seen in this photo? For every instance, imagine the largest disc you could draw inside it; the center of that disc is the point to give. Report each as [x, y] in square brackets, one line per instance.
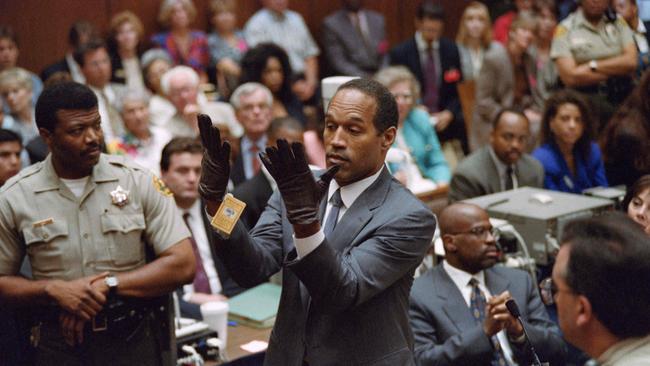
[509, 137]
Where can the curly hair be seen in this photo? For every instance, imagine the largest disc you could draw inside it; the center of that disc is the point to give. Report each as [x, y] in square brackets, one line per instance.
[553, 104]
[254, 62]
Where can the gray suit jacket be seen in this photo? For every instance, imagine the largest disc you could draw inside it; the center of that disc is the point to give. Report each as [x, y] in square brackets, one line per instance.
[447, 334]
[477, 175]
[495, 90]
[345, 303]
[345, 50]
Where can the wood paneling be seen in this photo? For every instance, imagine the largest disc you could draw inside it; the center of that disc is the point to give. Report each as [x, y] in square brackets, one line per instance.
[42, 25]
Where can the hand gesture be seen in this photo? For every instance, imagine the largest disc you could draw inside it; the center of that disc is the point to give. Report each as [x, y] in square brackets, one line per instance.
[497, 312]
[215, 166]
[78, 297]
[300, 192]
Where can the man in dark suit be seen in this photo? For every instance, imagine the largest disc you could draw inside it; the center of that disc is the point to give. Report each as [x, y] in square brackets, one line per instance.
[80, 32]
[354, 40]
[180, 168]
[435, 62]
[501, 166]
[345, 286]
[252, 103]
[458, 312]
[256, 191]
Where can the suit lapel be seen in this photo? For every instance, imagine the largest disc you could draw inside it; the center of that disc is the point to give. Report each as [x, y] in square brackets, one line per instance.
[495, 282]
[493, 179]
[453, 302]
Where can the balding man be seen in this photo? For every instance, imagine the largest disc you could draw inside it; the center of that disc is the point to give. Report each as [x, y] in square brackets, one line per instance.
[458, 311]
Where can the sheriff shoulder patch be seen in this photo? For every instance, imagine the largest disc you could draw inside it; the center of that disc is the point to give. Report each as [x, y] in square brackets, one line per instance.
[560, 31]
[160, 186]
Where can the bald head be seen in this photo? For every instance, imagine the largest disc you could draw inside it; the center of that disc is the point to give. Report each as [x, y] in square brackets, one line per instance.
[459, 216]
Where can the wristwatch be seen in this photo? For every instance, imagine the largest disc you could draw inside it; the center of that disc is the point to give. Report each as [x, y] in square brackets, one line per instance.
[112, 282]
[593, 65]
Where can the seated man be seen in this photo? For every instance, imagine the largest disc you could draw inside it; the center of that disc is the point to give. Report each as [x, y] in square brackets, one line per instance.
[458, 311]
[600, 287]
[256, 191]
[501, 166]
[180, 167]
[181, 86]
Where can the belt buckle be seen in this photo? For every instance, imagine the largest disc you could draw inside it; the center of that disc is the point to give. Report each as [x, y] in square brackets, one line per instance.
[99, 323]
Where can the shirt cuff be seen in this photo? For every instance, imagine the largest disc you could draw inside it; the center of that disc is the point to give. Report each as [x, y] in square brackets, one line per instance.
[304, 246]
[519, 340]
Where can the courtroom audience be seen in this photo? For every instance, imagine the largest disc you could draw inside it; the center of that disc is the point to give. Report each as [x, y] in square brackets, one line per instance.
[415, 137]
[435, 62]
[503, 23]
[10, 150]
[16, 90]
[186, 46]
[79, 33]
[626, 139]
[155, 63]
[286, 28]
[126, 33]
[571, 159]
[637, 202]
[9, 53]
[506, 81]
[547, 78]
[629, 11]
[474, 38]
[500, 166]
[599, 286]
[268, 64]
[140, 141]
[227, 45]
[354, 40]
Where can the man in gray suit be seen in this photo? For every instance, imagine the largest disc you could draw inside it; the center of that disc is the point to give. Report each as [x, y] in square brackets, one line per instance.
[458, 312]
[502, 165]
[354, 40]
[345, 286]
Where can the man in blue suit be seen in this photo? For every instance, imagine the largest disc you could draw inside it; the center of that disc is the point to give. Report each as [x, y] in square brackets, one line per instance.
[458, 311]
[345, 284]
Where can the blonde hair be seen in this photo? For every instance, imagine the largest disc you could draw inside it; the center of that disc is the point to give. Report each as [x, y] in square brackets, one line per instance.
[486, 37]
[392, 75]
[166, 8]
[126, 17]
[220, 6]
[16, 75]
[523, 21]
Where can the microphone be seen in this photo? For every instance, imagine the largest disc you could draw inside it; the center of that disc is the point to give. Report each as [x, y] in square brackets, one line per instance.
[514, 311]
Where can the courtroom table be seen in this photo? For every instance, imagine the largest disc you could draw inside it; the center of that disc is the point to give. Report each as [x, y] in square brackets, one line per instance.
[239, 335]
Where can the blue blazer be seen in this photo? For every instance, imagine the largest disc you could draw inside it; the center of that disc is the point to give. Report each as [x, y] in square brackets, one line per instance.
[558, 177]
[424, 146]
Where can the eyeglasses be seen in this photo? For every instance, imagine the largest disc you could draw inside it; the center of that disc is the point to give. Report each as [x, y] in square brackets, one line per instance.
[548, 290]
[481, 232]
[406, 96]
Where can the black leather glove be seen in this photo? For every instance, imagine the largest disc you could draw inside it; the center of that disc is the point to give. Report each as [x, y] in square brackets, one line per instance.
[215, 166]
[300, 192]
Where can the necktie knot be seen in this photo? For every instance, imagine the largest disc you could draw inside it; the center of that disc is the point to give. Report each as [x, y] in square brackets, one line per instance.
[336, 200]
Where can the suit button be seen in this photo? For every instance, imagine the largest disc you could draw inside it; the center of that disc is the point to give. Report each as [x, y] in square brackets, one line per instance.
[85, 235]
[45, 236]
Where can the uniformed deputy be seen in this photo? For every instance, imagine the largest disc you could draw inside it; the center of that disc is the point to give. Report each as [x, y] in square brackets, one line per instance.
[595, 53]
[83, 219]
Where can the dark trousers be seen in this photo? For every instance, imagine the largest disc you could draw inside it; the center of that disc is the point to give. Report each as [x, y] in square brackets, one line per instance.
[98, 348]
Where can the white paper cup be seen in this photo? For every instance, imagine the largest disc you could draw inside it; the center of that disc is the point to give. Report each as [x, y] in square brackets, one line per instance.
[215, 314]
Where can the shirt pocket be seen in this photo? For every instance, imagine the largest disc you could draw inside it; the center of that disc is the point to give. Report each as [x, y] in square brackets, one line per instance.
[124, 235]
[46, 246]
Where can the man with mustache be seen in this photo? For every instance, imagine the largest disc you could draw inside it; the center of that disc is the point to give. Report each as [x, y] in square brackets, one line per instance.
[458, 312]
[347, 244]
[86, 220]
[500, 166]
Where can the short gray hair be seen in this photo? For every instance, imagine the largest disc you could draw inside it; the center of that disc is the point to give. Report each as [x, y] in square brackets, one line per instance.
[133, 95]
[17, 75]
[249, 88]
[392, 75]
[185, 71]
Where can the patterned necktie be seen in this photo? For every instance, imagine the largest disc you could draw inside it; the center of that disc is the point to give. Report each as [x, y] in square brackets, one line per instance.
[477, 305]
[333, 216]
[430, 82]
[201, 282]
[255, 161]
[509, 181]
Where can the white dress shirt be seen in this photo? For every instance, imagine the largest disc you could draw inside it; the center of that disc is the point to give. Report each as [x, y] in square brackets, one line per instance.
[502, 170]
[349, 194]
[461, 279]
[195, 222]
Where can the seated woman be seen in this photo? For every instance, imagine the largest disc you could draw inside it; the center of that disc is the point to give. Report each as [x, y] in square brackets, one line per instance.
[140, 141]
[16, 90]
[474, 38]
[571, 160]
[227, 45]
[637, 202]
[124, 43]
[184, 45]
[155, 63]
[414, 133]
[268, 64]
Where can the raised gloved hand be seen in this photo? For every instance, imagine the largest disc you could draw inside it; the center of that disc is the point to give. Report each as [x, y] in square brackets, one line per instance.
[300, 192]
[215, 166]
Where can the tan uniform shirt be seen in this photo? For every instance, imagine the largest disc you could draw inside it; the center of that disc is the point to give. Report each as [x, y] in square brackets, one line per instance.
[576, 37]
[67, 237]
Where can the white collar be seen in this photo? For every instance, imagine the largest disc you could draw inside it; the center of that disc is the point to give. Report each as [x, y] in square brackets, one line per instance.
[460, 277]
[641, 27]
[422, 45]
[352, 191]
[501, 166]
[194, 210]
